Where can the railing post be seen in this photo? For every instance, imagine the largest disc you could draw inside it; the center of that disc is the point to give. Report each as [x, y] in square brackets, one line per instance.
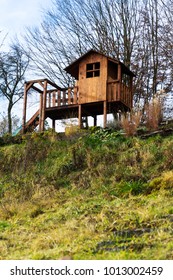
[64, 97]
[59, 97]
[53, 98]
[69, 96]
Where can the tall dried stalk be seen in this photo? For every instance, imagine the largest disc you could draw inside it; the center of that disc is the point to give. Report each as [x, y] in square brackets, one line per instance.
[131, 122]
[154, 113]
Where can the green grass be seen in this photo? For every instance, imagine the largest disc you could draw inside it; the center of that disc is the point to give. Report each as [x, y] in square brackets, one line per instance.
[97, 195]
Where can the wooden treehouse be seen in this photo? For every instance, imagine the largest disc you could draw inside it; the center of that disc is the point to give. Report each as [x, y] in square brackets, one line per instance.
[103, 85]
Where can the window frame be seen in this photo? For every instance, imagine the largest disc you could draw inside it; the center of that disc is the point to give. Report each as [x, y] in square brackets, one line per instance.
[93, 70]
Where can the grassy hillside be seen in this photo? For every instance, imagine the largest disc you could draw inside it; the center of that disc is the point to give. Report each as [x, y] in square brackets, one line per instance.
[92, 195]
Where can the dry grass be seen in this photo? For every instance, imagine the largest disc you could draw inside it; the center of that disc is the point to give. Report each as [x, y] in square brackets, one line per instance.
[131, 122]
[154, 113]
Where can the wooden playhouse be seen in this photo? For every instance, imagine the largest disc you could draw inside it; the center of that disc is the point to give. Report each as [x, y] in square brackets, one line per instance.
[103, 85]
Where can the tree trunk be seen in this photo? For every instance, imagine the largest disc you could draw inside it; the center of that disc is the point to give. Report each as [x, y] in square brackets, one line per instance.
[9, 118]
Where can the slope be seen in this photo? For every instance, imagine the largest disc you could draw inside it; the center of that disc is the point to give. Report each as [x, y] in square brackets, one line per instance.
[92, 195]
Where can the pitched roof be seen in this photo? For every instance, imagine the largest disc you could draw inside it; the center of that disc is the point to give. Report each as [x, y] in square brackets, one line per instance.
[73, 68]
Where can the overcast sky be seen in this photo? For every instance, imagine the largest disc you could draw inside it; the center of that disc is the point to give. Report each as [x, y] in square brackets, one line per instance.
[15, 15]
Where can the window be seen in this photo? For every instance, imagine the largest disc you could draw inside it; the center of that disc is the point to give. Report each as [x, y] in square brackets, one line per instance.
[93, 70]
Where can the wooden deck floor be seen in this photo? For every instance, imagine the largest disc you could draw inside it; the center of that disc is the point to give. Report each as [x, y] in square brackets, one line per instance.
[89, 109]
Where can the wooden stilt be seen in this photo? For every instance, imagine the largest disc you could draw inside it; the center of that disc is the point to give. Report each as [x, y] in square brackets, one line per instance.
[104, 114]
[80, 116]
[95, 120]
[53, 124]
[24, 109]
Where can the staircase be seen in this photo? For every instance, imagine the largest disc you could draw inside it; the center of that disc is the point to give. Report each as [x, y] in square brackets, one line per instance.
[31, 124]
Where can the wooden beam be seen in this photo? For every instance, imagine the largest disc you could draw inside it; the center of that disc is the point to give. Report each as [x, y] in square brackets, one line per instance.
[44, 105]
[52, 84]
[42, 81]
[104, 114]
[36, 81]
[51, 90]
[37, 89]
[40, 110]
[24, 108]
[41, 84]
[80, 115]
[29, 85]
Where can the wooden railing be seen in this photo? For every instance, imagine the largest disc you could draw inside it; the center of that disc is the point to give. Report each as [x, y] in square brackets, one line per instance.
[126, 95]
[63, 97]
[117, 91]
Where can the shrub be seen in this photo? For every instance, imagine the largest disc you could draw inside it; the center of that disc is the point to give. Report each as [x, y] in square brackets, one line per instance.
[71, 130]
[131, 122]
[154, 113]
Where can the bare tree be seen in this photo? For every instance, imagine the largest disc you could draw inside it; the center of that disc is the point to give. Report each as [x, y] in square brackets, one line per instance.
[136, 32]
[13, 65]
[4, 123]
[72, 27]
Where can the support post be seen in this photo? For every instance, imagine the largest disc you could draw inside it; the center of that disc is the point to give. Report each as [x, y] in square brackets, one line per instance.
[44, 105]
[24, 108]
[53, 124]
[95, 120]
[80, 115]
[40, 111]
[104, 114]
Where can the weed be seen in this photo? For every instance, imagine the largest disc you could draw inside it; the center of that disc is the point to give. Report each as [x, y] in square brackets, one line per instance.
[4, 225]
